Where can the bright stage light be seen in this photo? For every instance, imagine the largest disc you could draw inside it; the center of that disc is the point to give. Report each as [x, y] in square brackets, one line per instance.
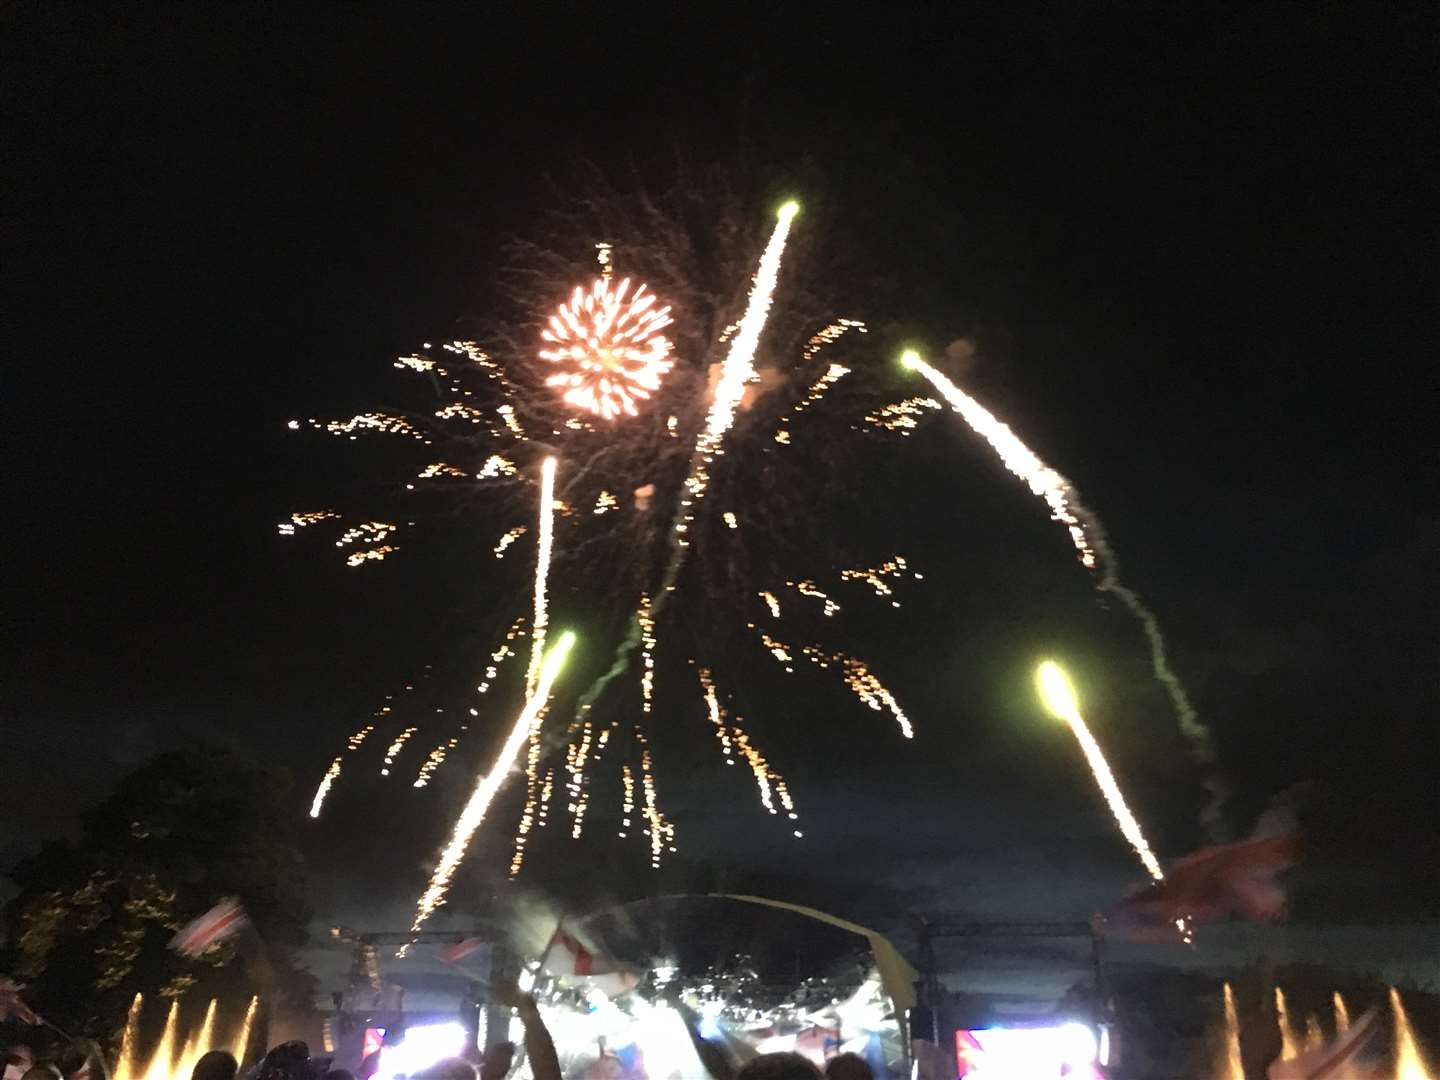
[421, 1047]
[1028, 1053]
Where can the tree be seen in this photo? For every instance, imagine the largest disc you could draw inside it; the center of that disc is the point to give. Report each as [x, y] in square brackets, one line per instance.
[91, 923]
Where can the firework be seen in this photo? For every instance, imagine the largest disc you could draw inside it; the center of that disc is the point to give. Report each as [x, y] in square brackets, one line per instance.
[1087, 535]
[242, 1037]
[875, 576]
[610, 345]
[859, 679]
[539, 622]
[737, 369]
[833, 374]
[125, 1066]
[474, 812]
[1234, 1066]
[1059, 698]
[902, 416]
[1409, 1062]
[733, 737]
[1342, 1013]
[333, 772]
[1289, 1048]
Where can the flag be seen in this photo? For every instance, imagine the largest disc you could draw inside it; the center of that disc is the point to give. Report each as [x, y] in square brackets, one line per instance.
[461, 949]
[1215, 882]
[1336, 1060]
[566, 958]
[11, 1005]
[217, 924]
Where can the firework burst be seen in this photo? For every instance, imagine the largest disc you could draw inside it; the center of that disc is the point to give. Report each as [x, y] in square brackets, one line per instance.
[609, 347]
[703, 389]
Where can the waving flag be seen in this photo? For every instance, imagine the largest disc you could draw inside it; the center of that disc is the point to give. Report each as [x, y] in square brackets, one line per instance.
[566, 958]
[1213, 883]
[217, 924]
[11, 1005]
[461, 949]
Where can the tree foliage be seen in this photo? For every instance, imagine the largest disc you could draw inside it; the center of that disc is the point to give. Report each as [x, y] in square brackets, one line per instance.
[91, 923]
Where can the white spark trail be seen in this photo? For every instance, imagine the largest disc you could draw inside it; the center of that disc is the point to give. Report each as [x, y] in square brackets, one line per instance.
[486, 789]
[1087, 535]
[736, 370]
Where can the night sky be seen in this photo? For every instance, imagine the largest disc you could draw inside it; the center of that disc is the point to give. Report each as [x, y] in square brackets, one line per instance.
[1194, 249]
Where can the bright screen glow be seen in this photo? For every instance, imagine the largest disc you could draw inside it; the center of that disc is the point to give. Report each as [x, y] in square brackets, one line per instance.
[421, 1047]
[1036, 1053]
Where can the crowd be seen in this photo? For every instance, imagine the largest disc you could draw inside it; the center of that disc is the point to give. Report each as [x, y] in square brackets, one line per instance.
[82, 1059]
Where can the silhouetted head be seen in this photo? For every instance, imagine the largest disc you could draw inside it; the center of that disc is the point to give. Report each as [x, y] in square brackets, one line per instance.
[216, 1065]
[848, 1067]
[787, 1066]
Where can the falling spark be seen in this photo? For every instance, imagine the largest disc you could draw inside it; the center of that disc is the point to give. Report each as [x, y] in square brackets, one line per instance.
[301, 519]
[1409, 1061]
[507, 413]
[647, 661]
[434, 760]
[333, 772]
[1234, 1065]
[859, 679]
[1059, 697]
[498, 657]
[810, 589]
[439, 468]
[126, 1065]
[496, 465]
[901, 416]
[627, 805]
[458, 410]
[771, 603]
[833, 332]
[472, 352]
[369, 531]
[732, 737]
[415, 362]
[539, 622]
[364, 423]
[1087, 535]
[395, 748]
[605, 502]
[833, 374]
[610, 347]
[242, 1039]
[508, 539]
[875, 576]
[730, 521]
[1342, 1013]
[489, 784]
[375, 554]
[660, 831]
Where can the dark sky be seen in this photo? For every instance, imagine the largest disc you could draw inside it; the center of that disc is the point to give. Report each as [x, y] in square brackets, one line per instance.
[1196, 247]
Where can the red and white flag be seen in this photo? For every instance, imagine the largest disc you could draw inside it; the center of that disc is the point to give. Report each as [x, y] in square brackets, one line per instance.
[1338, 1059]
[461, 949]
[217, 924]
[566, 958]
[1213, 883]
[11, 1005]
